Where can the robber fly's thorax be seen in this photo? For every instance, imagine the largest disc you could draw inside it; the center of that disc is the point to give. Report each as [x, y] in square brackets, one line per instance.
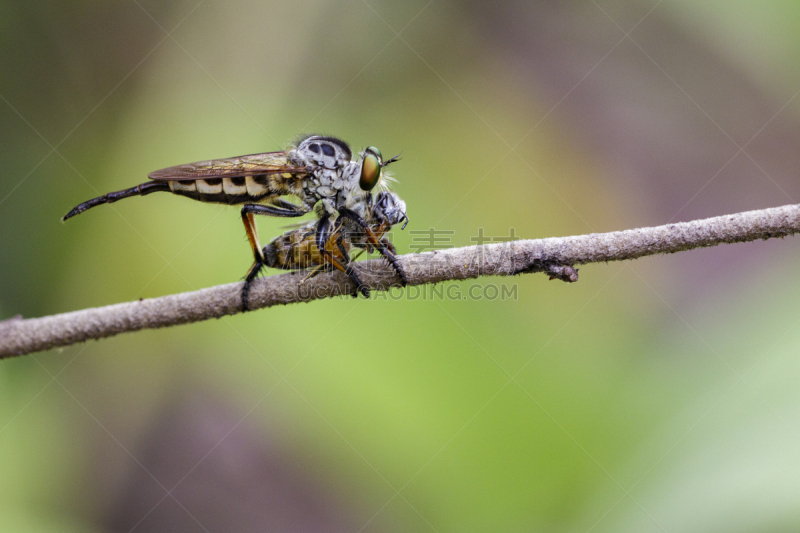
[330, 170]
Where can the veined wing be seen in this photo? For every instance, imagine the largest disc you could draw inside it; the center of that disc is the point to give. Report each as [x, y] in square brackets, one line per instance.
[243, 165]
[302, 224]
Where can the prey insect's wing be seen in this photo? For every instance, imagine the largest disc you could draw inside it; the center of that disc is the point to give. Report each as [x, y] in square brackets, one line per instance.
[244, 165]
[298, 225]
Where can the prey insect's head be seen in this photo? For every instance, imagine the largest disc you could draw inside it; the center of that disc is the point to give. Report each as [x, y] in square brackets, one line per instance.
[390, 208]
[372, 164]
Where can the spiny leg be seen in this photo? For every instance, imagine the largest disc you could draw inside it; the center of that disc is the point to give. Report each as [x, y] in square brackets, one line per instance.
[283, 204]
[371, 238]
[248, 280]
[348, 269]
[323, 235]
[384, 250]
[248, 219]
[252, 235]
[384, 241]
[282, 209]
[348, 263]
[387, 250]
[388, 245]
[327, 267]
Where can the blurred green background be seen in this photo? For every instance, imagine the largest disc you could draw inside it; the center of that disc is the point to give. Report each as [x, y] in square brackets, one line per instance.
[657, 395]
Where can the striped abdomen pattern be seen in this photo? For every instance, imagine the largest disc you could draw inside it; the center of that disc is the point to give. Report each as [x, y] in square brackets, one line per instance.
[241, 189]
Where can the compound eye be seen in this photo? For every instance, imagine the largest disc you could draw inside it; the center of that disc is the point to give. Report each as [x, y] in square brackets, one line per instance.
[370, 172]
[375, 151]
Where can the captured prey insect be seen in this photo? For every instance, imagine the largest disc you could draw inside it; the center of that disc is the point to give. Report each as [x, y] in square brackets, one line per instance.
[318, 170]
[302, 248]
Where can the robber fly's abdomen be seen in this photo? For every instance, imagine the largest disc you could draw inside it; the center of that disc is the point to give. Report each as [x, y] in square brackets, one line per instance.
[231, 191]
[239, 190]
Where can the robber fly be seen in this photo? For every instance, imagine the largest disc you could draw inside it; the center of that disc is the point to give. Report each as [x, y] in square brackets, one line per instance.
[302, 248]
[318, 170]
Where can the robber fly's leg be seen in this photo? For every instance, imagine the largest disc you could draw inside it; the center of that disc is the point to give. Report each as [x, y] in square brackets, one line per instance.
[386, 251]
[324, 228]
[348, 269]
[342, 249]
[386, 248]
[248, 280]
[282, 209]
[389, 246]
[347, 213]
[289, 206]
[252, 235]
[248, 218]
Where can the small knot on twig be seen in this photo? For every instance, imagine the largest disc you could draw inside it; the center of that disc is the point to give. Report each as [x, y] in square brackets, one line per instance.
[566, 273]
[553, 269]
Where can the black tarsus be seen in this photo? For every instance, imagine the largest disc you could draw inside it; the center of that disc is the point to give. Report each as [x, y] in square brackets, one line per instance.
[252, 274]
[360, 287]
[384, 250]
[142, 189]
[388, 253]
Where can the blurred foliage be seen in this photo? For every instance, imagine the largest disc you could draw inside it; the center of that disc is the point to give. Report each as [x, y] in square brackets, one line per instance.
[656, 395]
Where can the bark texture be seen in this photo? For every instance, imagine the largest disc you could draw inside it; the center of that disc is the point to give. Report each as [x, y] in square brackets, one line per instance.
[554, 256]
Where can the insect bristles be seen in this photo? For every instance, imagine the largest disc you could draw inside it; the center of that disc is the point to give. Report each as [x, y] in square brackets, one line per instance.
[387, 182]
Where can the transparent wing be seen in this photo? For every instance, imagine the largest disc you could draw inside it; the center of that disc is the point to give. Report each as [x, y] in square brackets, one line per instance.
[305, 224]
[243, 165]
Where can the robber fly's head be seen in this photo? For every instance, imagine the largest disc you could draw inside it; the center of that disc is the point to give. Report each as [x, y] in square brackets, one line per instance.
[390, 208]
[372, 164]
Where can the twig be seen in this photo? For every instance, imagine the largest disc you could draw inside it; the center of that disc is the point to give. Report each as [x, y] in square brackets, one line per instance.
[554, 256]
